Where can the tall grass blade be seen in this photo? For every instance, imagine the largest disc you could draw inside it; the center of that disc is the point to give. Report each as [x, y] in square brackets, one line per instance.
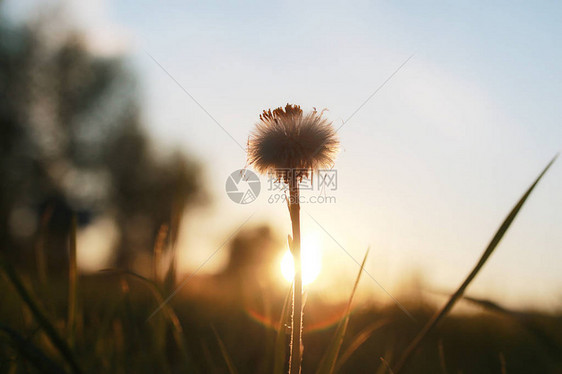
[159, 245]
[503, 363]
[72, 283]
[40, 245]
[358, 341]
[442, 362]
[384, 367]
[31, 353]
[40, 317]
[328, 363]
[280, 347]
[458, 294]
[224, 352]
[168, 311]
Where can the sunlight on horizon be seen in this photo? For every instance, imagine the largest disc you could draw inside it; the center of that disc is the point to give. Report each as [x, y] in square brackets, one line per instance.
[311, 261]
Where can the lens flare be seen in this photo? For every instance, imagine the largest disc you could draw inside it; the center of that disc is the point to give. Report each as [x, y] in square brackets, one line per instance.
[311, 261]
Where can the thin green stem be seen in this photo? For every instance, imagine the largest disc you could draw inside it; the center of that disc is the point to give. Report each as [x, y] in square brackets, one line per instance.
[296, 332]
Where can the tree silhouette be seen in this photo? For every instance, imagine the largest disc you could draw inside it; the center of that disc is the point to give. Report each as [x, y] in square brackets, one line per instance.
[72, 144]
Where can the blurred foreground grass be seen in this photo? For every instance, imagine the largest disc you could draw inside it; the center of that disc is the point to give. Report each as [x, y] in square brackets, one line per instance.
[112, 334]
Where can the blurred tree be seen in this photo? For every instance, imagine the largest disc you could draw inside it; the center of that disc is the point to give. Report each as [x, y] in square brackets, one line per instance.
[254, 254]
[71, 142]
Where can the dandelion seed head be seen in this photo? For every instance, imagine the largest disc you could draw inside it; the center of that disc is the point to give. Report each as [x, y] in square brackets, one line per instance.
[288, 139]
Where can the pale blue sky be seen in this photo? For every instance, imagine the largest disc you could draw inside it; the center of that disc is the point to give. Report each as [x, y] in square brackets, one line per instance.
[429, 167]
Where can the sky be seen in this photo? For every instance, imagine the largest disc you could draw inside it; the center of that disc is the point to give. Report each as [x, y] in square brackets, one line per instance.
[429, 166]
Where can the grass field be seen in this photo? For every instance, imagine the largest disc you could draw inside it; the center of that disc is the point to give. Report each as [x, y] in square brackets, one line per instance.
[111, 333]
[120, 322]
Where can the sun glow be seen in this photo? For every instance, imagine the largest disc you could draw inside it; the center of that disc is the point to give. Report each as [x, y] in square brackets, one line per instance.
[311, 261]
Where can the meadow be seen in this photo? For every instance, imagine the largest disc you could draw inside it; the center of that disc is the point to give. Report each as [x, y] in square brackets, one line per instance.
[116, 321]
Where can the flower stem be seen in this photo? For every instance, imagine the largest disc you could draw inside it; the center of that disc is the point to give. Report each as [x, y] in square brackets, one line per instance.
[296, 336]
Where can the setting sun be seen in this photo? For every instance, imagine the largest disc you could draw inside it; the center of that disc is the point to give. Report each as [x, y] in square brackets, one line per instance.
[311, 261]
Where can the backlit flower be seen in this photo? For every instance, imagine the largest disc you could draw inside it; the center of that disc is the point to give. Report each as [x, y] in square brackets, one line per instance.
[286, 139]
